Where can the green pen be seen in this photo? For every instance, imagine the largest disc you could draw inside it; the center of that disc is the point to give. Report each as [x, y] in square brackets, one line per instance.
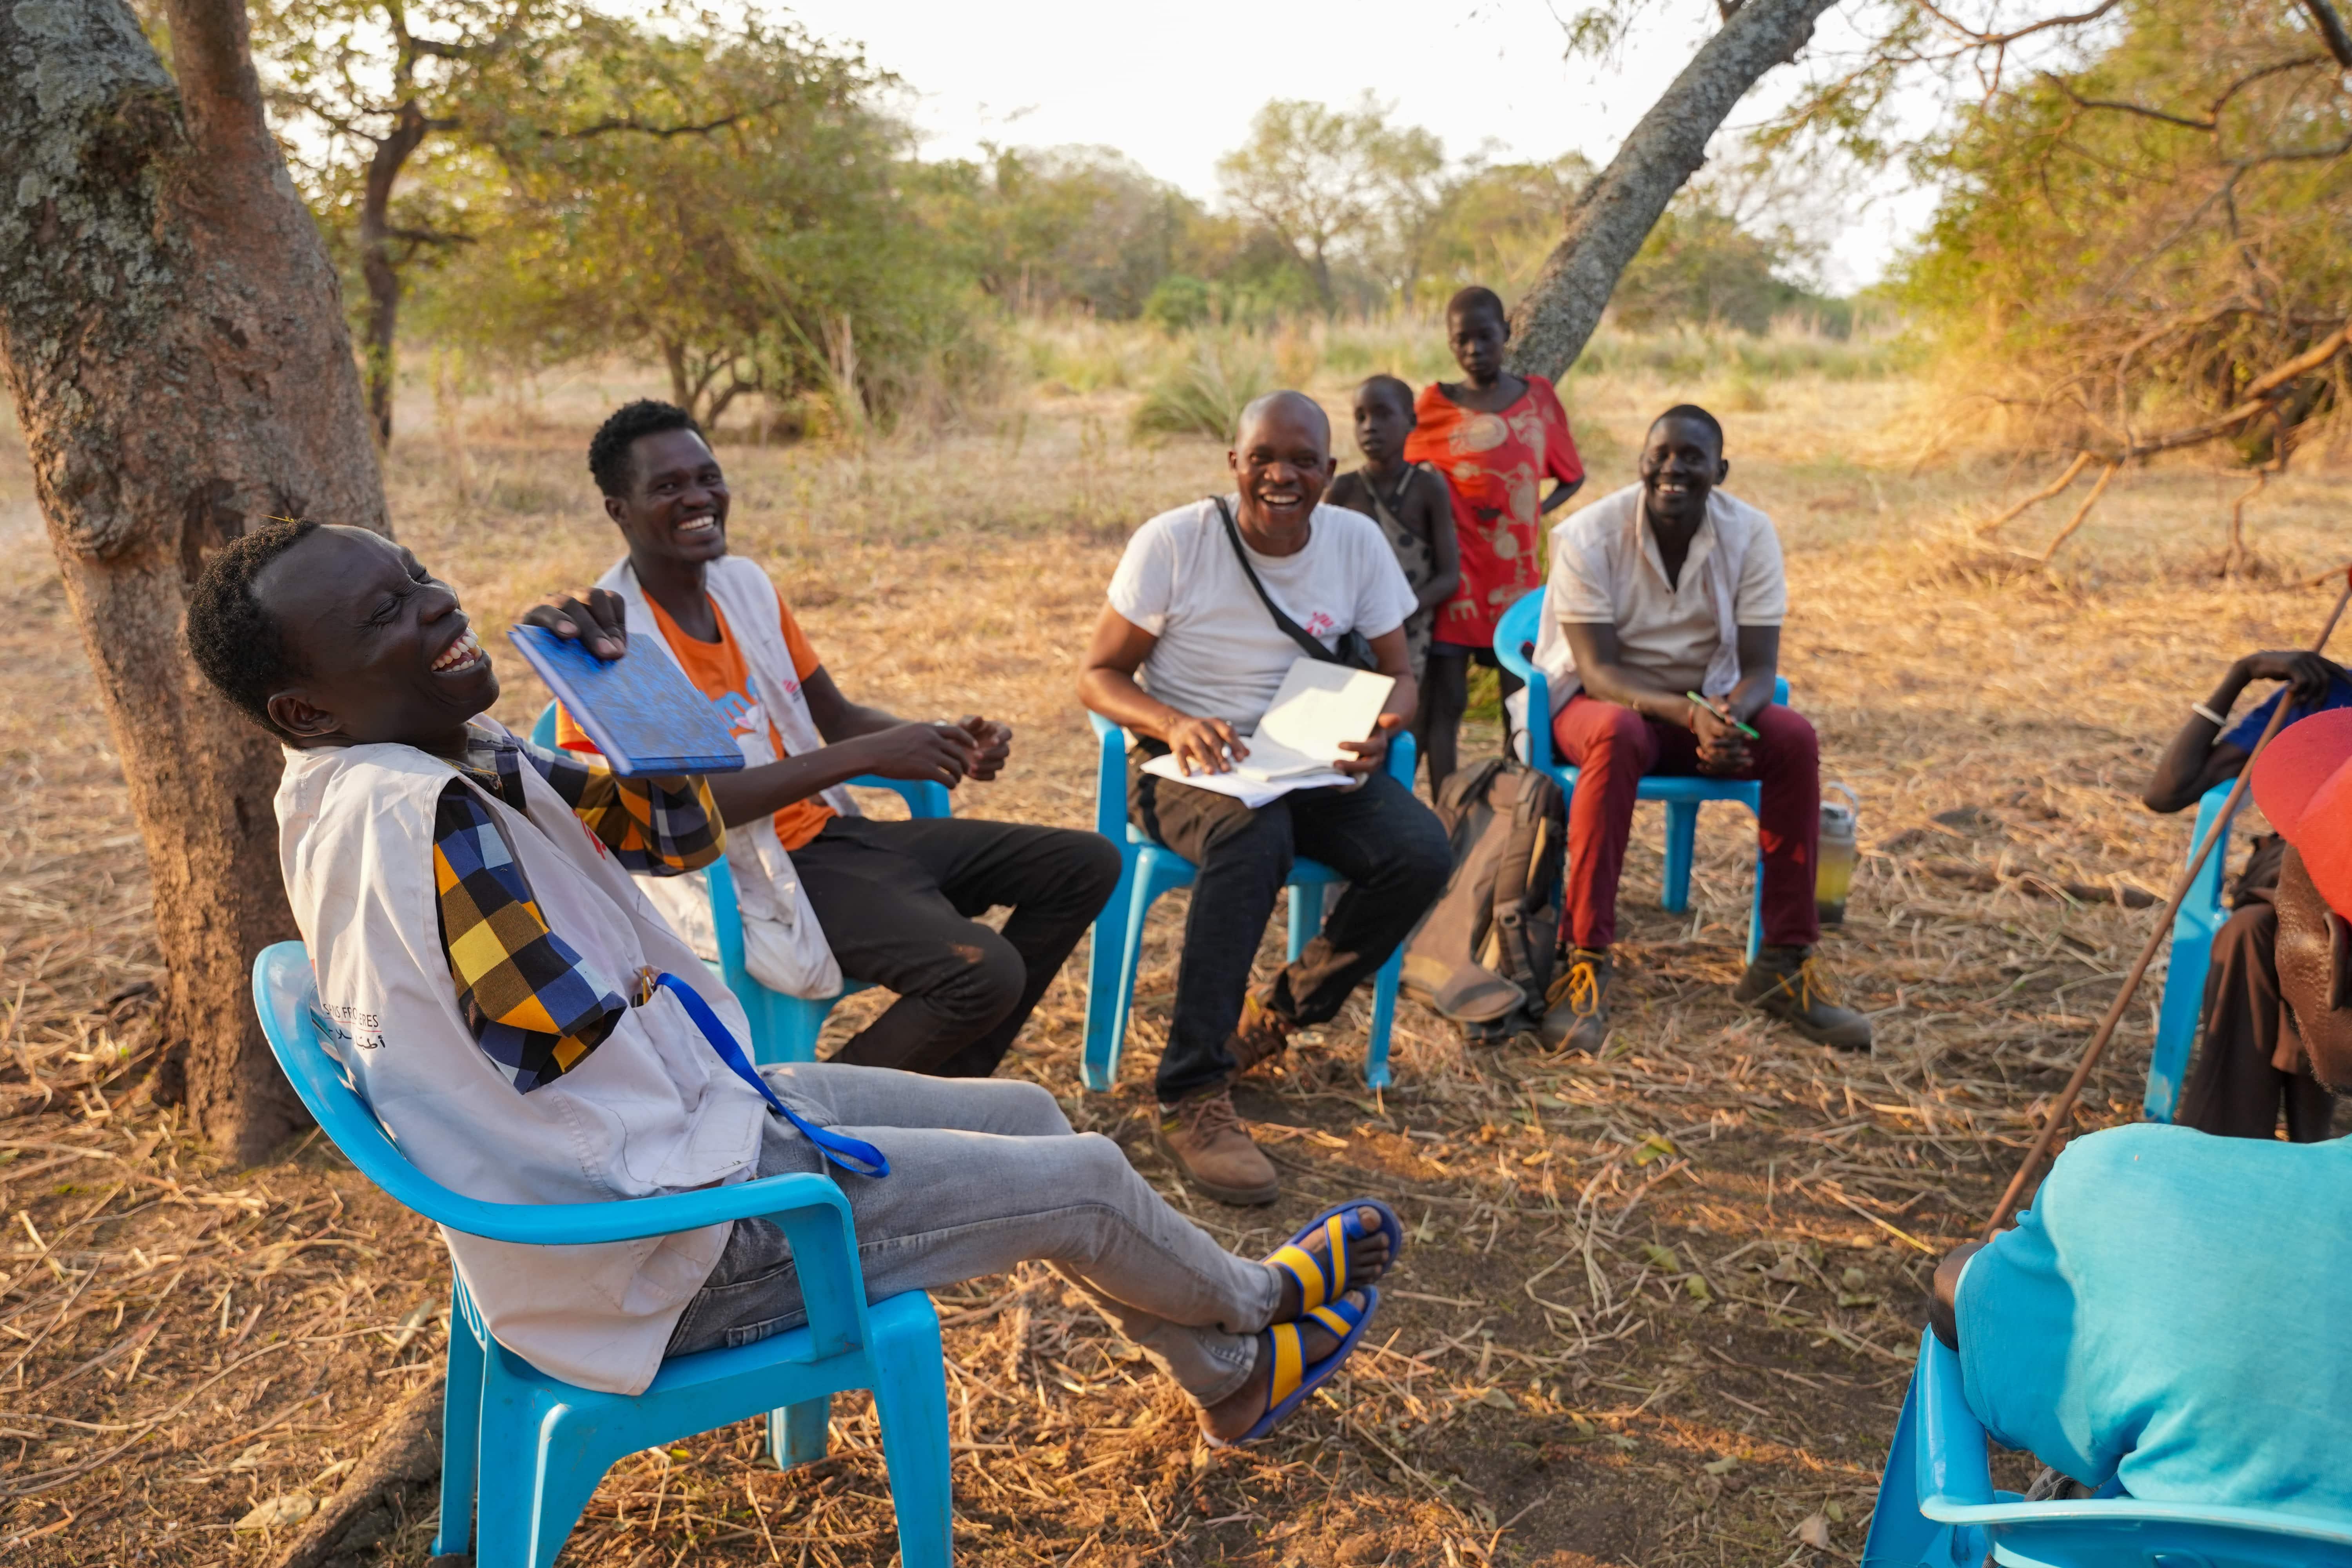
[1725, 716]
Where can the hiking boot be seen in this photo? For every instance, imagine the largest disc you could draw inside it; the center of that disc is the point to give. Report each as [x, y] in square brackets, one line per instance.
[1576, 1015]
[1214, 1150]
[1790, 984]
[1261, 1035]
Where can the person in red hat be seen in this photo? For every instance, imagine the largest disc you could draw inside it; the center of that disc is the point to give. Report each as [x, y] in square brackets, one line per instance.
[2168, 1314]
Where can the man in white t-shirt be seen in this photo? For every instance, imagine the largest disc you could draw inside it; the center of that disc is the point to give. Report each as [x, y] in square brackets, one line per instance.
[1184, 616]
[1661, 643]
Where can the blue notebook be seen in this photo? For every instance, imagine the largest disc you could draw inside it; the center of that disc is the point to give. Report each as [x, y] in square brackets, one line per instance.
[641, 710]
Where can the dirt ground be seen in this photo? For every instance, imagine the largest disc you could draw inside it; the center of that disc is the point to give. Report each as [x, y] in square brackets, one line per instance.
[1658, 1307]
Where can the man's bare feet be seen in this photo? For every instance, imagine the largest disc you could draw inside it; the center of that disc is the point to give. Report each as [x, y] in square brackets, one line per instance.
[1366, 1260]
[1239, 1411]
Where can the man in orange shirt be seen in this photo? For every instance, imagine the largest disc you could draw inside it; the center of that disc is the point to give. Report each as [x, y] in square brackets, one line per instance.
[896, 901]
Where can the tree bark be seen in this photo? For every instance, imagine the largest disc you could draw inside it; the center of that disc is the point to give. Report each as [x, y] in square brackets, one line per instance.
[1617, 211]
[376, 266]
[175, 344]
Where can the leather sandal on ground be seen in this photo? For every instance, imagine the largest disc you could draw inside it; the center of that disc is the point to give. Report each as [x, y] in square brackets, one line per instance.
[1576, 1004]
[1793, 984]
[1318, 1280]
[1202, 1133]
[1261, 1035]
[1293, 1380]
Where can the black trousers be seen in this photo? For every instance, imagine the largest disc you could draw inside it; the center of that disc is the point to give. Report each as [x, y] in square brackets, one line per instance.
[896, 901]
[1387, 845]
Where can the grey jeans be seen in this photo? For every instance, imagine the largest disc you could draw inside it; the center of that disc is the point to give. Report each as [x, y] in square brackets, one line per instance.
[985, 1174]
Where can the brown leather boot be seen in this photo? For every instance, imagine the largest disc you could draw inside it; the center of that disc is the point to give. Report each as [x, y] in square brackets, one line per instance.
[1214, 1150]
[1791, 985]
[1577, 1017]
[1261, 1035]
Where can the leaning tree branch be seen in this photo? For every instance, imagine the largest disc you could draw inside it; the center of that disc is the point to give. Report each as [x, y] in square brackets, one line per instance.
[630, 122]
[2331, 27]
[1618, 210]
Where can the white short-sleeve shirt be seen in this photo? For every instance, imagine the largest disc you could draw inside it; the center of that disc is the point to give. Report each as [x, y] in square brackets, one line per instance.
[1606, 569]
[1220, 655]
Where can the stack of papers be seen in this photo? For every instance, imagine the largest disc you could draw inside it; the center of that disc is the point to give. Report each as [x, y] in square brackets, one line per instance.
[1319, 706]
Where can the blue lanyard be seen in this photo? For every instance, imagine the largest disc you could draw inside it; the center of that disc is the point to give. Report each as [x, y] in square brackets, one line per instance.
[855, 1156]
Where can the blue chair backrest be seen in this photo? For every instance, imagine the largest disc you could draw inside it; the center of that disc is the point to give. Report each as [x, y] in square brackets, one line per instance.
[811, 1209]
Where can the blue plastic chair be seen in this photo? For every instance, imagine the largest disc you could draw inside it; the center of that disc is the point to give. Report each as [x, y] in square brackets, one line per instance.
[1515, 636]
[2201, 920]
[783, 1028]
[1148, 869]
[528, 1448]
[1937, 1507]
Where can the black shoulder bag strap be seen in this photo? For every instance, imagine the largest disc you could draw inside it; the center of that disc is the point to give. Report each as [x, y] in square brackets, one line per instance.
[1355, 650]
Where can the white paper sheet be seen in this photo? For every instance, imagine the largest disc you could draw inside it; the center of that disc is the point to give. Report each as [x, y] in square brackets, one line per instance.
[1250, 792]
[1319, 706]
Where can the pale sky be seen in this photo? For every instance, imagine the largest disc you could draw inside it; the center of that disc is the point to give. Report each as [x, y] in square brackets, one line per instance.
[1174, 87]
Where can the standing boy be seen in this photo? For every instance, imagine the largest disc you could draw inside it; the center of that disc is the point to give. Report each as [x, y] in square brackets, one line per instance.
[1495, 436]
[1413, 509]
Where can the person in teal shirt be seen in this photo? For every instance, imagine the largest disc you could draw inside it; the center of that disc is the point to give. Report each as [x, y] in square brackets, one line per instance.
[2170, 1314]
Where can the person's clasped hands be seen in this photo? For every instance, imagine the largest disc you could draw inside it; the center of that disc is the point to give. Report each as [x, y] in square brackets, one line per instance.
[1722, 748]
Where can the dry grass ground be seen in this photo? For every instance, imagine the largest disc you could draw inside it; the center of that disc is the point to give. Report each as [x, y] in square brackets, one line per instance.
[1658, 1305]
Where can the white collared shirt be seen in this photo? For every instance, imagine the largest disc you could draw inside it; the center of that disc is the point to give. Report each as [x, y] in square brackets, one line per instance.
[1606, 569]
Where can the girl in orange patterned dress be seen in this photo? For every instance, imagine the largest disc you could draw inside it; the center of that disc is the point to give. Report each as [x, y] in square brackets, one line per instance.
[1495, 436]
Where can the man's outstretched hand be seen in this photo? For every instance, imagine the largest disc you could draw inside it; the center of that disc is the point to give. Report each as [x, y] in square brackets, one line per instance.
[594, 617]
[1204, 745]
[995, 743]
[1371, 753]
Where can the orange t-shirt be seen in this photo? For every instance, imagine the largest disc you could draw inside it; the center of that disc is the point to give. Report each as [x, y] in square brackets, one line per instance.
[718, 672]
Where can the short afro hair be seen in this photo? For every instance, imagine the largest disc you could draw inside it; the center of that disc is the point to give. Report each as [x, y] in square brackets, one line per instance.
[1696, 416]
[608, 451]
[232, 639]
[1478, 297]
[1395, 384]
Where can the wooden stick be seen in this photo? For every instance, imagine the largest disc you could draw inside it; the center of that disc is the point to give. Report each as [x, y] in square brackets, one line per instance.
[2107, 477]
[2063, 1110]
[2082, 460]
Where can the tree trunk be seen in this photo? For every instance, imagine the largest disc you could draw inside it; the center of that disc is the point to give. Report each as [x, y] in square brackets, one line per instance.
[408, 128]
[173, 338]
[1616, 213]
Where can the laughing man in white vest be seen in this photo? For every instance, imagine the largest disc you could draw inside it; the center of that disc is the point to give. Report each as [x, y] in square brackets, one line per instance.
[891, 903]
[540, 1035]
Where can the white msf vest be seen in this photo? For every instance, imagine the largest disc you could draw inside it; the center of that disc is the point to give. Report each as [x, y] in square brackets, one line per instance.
[652, 1110]
[783, 946]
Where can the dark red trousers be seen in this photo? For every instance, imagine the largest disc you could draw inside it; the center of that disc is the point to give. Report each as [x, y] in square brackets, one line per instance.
[1611, 747]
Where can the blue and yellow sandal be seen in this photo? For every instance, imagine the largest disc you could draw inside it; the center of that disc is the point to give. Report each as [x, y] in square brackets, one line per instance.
[1339, 1225]
[1292, 1379]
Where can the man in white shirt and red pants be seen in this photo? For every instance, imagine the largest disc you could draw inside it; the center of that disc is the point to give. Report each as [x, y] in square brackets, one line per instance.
[1665, 589]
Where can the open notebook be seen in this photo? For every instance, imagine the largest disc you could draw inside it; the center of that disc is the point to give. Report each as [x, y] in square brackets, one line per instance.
[1318, 706]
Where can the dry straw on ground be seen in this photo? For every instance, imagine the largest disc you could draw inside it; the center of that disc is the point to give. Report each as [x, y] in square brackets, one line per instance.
[1658, 1307]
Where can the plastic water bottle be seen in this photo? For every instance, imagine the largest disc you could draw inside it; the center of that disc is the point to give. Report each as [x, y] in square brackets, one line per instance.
[1835, 874]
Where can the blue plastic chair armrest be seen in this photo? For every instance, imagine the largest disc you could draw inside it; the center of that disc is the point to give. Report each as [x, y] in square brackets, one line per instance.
[1111, 779]
[1952, 1465]
[925, 798]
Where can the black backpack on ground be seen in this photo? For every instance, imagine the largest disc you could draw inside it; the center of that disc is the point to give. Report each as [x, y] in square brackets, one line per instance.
[1483, 955]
